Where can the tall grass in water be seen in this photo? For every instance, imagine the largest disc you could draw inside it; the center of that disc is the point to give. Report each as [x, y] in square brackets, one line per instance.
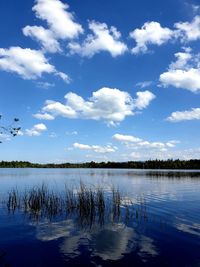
[116, 203]
[13, 200]
[88, 204]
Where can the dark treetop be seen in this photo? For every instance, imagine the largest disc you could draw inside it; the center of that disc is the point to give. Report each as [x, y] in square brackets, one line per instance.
[149, 164]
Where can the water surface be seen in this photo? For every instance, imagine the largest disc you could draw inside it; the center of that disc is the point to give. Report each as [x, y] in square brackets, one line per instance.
[168, 234]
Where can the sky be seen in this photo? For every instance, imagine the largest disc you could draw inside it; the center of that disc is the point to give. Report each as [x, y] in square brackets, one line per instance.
[100, 80]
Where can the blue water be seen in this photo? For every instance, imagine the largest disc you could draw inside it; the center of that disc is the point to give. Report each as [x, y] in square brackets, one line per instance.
[168, 236]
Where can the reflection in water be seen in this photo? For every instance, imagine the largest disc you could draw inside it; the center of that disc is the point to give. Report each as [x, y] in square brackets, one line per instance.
[70, 246]
[177, 175]
[147, 248]
[190, 228]
[156, 225]
[110, 242]
[87, 205]
[51, 231]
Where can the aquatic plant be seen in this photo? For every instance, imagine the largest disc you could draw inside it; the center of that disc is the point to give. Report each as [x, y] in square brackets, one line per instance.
[13, 200]
[87, 204]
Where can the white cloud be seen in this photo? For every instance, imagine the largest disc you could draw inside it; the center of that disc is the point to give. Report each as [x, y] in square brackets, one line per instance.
[53, 135]
[193, 114]
[157, 145]
[58, 109]
[102, 39]
[183, 154]
[4, 137]
[97, 157]
[151, 33]
[126, 138]
[44, 116]
[182, 59]
[60, 21]
[27, 63]
[187, 79]
[184, 72]
[144, 84]
[36, 130]
[107, 104]
[45, 85]
[95, 148]
[133, 156]
[189, 31]
[20, 133]
[143, 99]
[44, 36]
[63, 76]
[71, 133]
[81, 146]
[136, 143]
[172, 143]
[187, 154]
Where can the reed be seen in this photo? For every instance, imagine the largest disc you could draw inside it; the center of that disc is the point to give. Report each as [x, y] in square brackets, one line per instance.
[13, 200]
[87, 204]
[116, 202]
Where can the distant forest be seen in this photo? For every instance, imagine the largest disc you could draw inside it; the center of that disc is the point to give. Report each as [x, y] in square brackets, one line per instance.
[149, 164]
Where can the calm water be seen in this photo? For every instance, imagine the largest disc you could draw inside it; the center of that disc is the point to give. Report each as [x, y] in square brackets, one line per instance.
[169, 234]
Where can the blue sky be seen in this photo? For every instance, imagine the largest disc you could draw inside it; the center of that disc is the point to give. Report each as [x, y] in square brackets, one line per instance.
[100, 80]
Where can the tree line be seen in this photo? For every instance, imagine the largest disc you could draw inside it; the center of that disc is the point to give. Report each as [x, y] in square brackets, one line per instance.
[149, 164]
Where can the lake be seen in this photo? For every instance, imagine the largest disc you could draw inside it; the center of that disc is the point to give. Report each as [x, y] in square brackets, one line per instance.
[158, 223]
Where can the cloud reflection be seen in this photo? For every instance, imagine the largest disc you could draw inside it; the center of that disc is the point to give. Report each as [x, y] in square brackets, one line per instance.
[110, 242]
[51, 231]
[193, 229]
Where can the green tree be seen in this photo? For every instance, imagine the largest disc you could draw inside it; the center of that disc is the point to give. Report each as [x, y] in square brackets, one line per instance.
[11, 130]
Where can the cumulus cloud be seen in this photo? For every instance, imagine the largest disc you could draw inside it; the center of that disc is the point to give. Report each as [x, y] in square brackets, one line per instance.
[44, 116]
[138, 143]
[184, 72]
[143, 99]
[60, 21]
[57, 109]
[107, 104]
[151, 33]
[44, 36]
[96, 148]
[26, 62]
[182, 59]
[158, 145]
[193, 114]
[126, 138]
[36, 130]
[186, 79]
[102, 39]
[189, 31]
